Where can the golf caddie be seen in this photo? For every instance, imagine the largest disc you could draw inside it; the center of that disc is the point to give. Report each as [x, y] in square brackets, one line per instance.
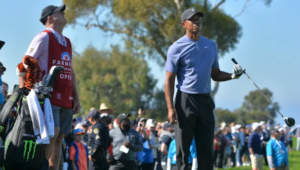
[194, 60]
[51, 48]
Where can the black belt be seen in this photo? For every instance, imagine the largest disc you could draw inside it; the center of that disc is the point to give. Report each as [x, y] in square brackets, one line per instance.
[204, 94]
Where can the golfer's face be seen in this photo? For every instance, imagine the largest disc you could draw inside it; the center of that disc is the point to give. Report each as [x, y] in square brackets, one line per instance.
[193, 24]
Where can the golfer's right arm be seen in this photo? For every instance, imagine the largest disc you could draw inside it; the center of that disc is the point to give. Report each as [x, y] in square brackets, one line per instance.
[169, 89]
[172, 65]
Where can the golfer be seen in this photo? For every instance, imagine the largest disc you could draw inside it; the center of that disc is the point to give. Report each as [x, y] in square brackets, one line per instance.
[194, 60]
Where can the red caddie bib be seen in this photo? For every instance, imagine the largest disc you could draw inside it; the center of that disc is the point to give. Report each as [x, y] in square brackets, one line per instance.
[58, 54]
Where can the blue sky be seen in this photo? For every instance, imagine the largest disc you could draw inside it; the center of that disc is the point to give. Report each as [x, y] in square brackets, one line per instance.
[268, 49]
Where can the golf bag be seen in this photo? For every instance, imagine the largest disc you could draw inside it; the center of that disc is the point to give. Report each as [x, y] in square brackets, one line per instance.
[21, 151]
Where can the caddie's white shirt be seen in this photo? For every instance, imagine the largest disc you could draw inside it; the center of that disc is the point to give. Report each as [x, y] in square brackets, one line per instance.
[39, 47]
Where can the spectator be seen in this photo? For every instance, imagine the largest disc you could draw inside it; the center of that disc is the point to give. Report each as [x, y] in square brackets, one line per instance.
[246, 156]
[241, 133]
[234, 145]
[159, 128]
[148, 161]
[5, 90]
[217, 145]
[166, 138]
[85, 126]
[106, 111]
[298, 139]
[265, 138]
[255, 147]
[289, 137]
[124, 152]
[228, 137]
[151, 133]
[223, 142]
[192, 159]
[277, 153]
[98, 142]
[282, 136]
[2, 70]
[78, 153]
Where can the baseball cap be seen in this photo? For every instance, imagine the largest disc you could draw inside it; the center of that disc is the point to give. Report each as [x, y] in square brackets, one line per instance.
[85, 123]
[150, 123]
[142, 120]
[123, 116]
[166, 125]
[187, 14]
[49, 10]
[78, 131]
[255, 125]
[94, 114]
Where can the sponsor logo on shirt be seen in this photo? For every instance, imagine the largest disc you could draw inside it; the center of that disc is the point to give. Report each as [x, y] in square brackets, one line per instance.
[65, 56]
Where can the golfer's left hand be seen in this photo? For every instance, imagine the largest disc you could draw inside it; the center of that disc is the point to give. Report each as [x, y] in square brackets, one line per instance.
[237, 71]
[76, 106]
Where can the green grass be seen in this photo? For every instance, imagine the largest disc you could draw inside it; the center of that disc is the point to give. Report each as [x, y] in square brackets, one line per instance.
[294, 160]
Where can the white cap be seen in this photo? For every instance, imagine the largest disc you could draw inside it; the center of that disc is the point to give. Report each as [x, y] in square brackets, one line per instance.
[78, 126]
[262, 123]
[150, 123]
[238, 126]
[255, 125]
[223, 124]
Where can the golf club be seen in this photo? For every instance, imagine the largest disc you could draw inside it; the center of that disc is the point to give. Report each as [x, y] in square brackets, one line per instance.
[1, 44]
[290, 122]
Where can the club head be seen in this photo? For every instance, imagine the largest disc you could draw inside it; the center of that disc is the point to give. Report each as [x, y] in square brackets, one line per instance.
[1, 44]
[290, 122]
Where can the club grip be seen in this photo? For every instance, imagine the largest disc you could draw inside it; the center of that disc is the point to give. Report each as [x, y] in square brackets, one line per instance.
[233, 60]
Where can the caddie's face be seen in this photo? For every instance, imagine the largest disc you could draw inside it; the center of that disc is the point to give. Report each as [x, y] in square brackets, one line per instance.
[193, 24]
[59, 17]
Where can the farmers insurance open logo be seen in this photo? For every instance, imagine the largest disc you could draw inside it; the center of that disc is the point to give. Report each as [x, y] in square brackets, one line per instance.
[31, 147]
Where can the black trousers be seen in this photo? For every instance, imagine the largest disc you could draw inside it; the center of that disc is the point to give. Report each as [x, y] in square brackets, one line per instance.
[148, 166]
[232, 157]
[221, 158]
[195, 119]
[123, 165]
[174, 167]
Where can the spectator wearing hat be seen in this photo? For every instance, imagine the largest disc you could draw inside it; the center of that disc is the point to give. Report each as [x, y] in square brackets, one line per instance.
[277, 153]
[150, 126]
[78, 152]
[255, 147]
[166, 138]
[85, 126]
[2, 95]
[98, 142]
[105, 109]
[126, 142]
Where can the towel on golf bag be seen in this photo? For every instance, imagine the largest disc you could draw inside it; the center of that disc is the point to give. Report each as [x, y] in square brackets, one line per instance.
[43, 124]
[20, 149]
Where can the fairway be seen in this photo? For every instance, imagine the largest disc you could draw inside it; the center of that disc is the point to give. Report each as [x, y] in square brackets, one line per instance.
[294, 160]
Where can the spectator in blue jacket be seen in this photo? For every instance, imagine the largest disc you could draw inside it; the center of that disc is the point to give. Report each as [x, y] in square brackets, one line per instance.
[255, 147]
[192, 159]
[277, 153]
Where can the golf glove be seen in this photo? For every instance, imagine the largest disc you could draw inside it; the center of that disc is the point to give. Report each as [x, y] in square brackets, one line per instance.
[237, 71]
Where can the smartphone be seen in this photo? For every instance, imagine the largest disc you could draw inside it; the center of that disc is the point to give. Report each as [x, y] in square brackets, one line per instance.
[142, 108]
